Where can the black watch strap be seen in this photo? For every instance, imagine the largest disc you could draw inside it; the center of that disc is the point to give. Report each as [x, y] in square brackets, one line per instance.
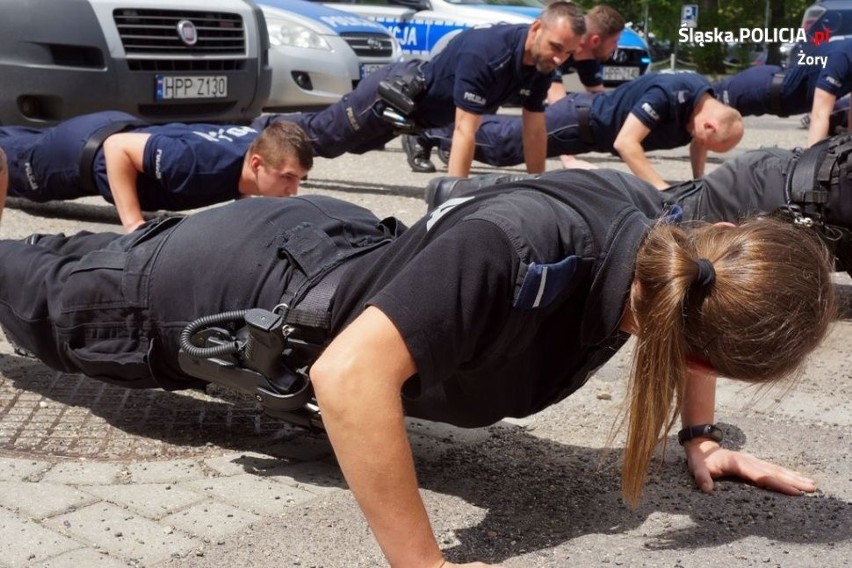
[710, 431]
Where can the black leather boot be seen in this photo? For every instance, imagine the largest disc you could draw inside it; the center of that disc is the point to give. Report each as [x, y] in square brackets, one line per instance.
[417, 155]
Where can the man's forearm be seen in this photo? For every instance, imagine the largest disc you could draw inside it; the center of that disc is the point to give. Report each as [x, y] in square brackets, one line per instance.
[821, 110]
[461, 156]
[535, 153]
[464, 143]
[818, 128]
[634, 157]
[535, 141]
[461, 152]
[698, 158]
[123, 189]
[122, 177]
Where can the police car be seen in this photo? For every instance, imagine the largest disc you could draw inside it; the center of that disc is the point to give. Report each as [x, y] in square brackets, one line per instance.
[319, 54]
[830, 18]
[423, 27]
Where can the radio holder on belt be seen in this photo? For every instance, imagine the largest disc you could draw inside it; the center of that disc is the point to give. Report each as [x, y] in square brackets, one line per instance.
[266, 358]
[399, 93]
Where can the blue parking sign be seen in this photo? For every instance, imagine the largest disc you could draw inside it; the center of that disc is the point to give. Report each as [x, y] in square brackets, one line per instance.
[689, 15]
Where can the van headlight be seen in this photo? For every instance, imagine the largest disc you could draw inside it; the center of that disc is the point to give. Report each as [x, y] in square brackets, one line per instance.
[282, 32]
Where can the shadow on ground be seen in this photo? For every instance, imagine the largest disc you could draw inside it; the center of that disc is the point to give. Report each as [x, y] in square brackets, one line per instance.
[535, 494]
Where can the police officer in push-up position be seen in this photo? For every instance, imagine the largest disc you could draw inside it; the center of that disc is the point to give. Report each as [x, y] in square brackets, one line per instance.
[656, 111]
[495, 305]
[812, 187]
[141, 167]
[811, 85]
[479, 70]
[603, 28]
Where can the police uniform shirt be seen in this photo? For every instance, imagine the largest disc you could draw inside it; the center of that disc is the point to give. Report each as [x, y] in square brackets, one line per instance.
[479, 70]
[749, 90]
[508, 300]
[797, 91]
[590, 71]
[663, 102]
[186, 166]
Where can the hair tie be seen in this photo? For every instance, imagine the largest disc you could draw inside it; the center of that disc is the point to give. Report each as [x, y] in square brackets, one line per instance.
[706, 276]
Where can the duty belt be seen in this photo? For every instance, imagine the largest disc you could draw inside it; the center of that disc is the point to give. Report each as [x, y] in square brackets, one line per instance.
[809, 181]
[584, 125]
[93, 144]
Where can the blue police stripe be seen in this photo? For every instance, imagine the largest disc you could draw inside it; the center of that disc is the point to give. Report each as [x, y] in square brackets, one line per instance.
[417, 37]
[544, 282]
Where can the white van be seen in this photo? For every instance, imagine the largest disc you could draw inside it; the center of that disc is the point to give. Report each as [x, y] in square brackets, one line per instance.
[161, 60]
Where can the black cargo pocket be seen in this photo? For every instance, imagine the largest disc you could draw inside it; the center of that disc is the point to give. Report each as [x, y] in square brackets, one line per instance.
[95, 282]
[119, 360]
[117, 276]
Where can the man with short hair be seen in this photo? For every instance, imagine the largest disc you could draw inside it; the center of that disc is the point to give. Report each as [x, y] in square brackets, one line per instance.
[479, 70]
[653, 112]
[813, 85]
[603, 29]
[141, 167]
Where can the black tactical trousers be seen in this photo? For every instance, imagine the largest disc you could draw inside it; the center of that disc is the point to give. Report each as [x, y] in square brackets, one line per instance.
[113, 306]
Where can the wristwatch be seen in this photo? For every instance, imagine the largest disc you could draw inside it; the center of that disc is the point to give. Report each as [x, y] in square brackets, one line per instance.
[710, 431]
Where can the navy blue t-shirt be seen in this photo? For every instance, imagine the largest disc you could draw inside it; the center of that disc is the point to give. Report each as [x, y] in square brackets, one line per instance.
[590, 71]
[797, 92]
[661, 101]
[479, 70]
[748, 91]
[186, 165]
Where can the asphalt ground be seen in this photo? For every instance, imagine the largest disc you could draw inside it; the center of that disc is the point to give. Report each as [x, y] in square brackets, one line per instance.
[96, 475]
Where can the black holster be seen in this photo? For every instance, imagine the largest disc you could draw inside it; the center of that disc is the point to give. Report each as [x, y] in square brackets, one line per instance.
[400, 92]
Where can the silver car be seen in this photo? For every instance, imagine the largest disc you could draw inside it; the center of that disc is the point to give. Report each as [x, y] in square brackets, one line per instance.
[318, 54]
